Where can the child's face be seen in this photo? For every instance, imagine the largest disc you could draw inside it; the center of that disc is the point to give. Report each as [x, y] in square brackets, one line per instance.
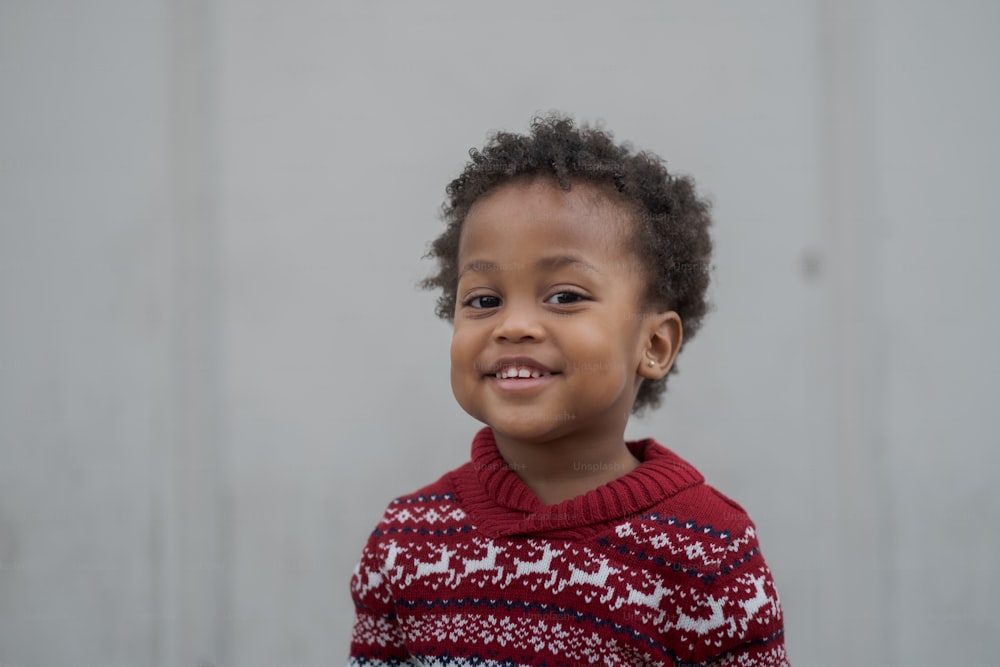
[549, 288]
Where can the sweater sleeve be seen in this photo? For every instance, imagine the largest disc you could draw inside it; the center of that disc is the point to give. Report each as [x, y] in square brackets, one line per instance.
[760, 640]
[377, 637]
[746, 627]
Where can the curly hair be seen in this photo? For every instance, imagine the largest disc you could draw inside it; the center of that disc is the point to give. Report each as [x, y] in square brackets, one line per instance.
[671, 221]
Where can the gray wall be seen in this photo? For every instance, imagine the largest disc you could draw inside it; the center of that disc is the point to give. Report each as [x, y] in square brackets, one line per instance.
[215, 369]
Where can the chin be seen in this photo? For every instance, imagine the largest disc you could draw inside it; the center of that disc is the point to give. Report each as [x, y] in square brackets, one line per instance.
[527, 428]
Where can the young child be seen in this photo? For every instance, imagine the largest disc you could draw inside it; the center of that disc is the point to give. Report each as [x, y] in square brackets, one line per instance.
[572, 269]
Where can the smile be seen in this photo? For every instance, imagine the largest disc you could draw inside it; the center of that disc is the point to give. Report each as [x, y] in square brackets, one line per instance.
[520, 377]
[520, 372]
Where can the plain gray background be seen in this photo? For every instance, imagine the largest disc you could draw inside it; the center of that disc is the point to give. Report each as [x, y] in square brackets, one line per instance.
[216, 370]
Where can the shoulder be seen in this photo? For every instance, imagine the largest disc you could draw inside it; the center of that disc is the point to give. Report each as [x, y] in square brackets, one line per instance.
[432, 510]
[699, 555]
[711, 507]
[689, 498]
[698, 532]
[705, 515]
[424, 515]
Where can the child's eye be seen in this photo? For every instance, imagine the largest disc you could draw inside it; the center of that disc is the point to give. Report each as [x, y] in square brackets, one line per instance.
[563, 298]
[483, 301]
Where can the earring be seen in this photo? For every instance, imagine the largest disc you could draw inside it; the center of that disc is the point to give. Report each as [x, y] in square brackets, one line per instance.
[651, 362]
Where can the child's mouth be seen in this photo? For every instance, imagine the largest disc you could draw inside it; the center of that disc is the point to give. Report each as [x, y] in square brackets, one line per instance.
[520, 375]
[520, 372]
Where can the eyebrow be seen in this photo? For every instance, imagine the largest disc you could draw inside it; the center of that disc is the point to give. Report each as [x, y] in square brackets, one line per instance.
[545, 263]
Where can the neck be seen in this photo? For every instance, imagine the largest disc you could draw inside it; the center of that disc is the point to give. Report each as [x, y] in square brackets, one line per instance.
[563, 468]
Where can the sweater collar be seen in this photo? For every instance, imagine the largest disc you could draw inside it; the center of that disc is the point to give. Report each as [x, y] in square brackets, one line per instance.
[501, 504]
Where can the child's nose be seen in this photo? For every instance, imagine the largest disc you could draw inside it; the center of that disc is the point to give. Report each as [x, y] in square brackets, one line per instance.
[519, 322]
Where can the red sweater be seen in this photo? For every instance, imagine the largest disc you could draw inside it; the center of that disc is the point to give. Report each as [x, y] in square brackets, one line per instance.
[654, 568]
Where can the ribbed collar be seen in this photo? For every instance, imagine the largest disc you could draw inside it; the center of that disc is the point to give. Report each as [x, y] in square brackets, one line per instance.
[500, 504]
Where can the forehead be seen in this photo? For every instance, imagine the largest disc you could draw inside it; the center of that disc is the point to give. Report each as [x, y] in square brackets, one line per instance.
[536, 214]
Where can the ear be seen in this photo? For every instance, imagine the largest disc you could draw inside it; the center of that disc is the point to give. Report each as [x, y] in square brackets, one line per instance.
[662, 337]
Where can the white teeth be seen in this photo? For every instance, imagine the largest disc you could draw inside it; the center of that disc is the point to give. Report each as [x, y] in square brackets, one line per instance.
[519, 372]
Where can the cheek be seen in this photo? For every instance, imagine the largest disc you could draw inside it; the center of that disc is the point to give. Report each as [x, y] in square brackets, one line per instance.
[459, 345]
[598, 340]
[464, 351]
[464, 377]
[605, 353]
[458, 365]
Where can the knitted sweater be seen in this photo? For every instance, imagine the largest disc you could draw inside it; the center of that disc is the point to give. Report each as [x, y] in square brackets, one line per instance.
[654, 568]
